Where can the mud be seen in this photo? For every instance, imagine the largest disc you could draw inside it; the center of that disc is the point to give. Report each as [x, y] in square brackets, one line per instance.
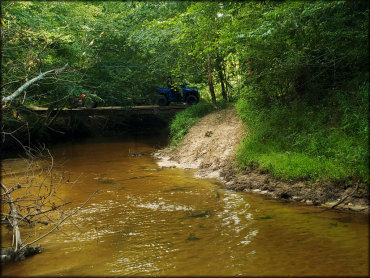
[210, 146]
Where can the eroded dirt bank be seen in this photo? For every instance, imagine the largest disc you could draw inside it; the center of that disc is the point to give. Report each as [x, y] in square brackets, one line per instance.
[210, 148]
[209, 145]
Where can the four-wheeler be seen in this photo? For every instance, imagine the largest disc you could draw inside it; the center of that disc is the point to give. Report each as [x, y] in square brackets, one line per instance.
[167, 95]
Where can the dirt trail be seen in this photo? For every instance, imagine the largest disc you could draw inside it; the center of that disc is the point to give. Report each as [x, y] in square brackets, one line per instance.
[210, 147]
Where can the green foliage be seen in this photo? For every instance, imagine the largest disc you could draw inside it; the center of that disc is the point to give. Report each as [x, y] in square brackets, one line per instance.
[300, 141]
[304, 49]
[305, 98]
[184, 120]
[298, 70]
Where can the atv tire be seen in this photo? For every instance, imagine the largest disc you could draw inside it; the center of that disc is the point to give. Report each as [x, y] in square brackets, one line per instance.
[163, 101]
[191, 100]
[91, 104]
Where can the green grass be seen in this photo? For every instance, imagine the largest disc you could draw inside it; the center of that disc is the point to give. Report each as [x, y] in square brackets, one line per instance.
[308, 142]
[291, 165]
[185, 119]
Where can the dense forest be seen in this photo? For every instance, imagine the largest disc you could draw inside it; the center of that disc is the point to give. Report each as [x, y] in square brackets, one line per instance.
[296, 71]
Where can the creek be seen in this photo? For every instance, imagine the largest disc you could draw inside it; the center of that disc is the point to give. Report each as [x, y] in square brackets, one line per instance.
[150, 221]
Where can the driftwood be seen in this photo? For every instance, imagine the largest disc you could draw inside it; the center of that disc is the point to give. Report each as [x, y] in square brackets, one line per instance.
[345, 197]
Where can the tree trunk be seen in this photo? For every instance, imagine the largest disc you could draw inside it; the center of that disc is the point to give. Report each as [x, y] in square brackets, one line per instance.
[221, 77]
[223, 88]
[210, 80]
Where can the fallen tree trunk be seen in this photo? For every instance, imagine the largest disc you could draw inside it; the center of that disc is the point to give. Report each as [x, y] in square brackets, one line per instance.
[30, 82]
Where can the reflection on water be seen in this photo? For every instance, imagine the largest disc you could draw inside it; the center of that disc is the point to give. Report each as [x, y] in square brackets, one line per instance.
[148, 221]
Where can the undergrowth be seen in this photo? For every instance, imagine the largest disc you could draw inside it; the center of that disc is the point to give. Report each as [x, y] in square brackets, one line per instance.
[301, 141]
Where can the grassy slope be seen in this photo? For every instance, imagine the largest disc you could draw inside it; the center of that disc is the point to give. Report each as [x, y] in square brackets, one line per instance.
[304, 142]
[299, 141]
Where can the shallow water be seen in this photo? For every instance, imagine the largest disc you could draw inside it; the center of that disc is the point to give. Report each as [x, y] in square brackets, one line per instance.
[148, 221]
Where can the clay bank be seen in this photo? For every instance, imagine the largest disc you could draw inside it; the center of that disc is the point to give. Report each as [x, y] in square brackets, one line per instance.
[210, 147]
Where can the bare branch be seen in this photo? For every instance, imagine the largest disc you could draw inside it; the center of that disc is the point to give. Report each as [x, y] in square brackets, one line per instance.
[30, 82]
[12, 82]
[46, 211]
[60, 222]
[24, 219]
[34, 202]
[345, 197]
[14, 222]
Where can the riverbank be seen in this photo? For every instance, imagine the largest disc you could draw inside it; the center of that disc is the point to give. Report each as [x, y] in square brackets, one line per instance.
[210, 146]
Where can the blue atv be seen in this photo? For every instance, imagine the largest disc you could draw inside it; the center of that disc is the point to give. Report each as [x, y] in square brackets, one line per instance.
[168, 95]
[172, 92]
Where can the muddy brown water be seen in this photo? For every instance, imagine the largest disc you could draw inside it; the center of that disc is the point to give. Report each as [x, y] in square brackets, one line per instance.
[148, 221]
